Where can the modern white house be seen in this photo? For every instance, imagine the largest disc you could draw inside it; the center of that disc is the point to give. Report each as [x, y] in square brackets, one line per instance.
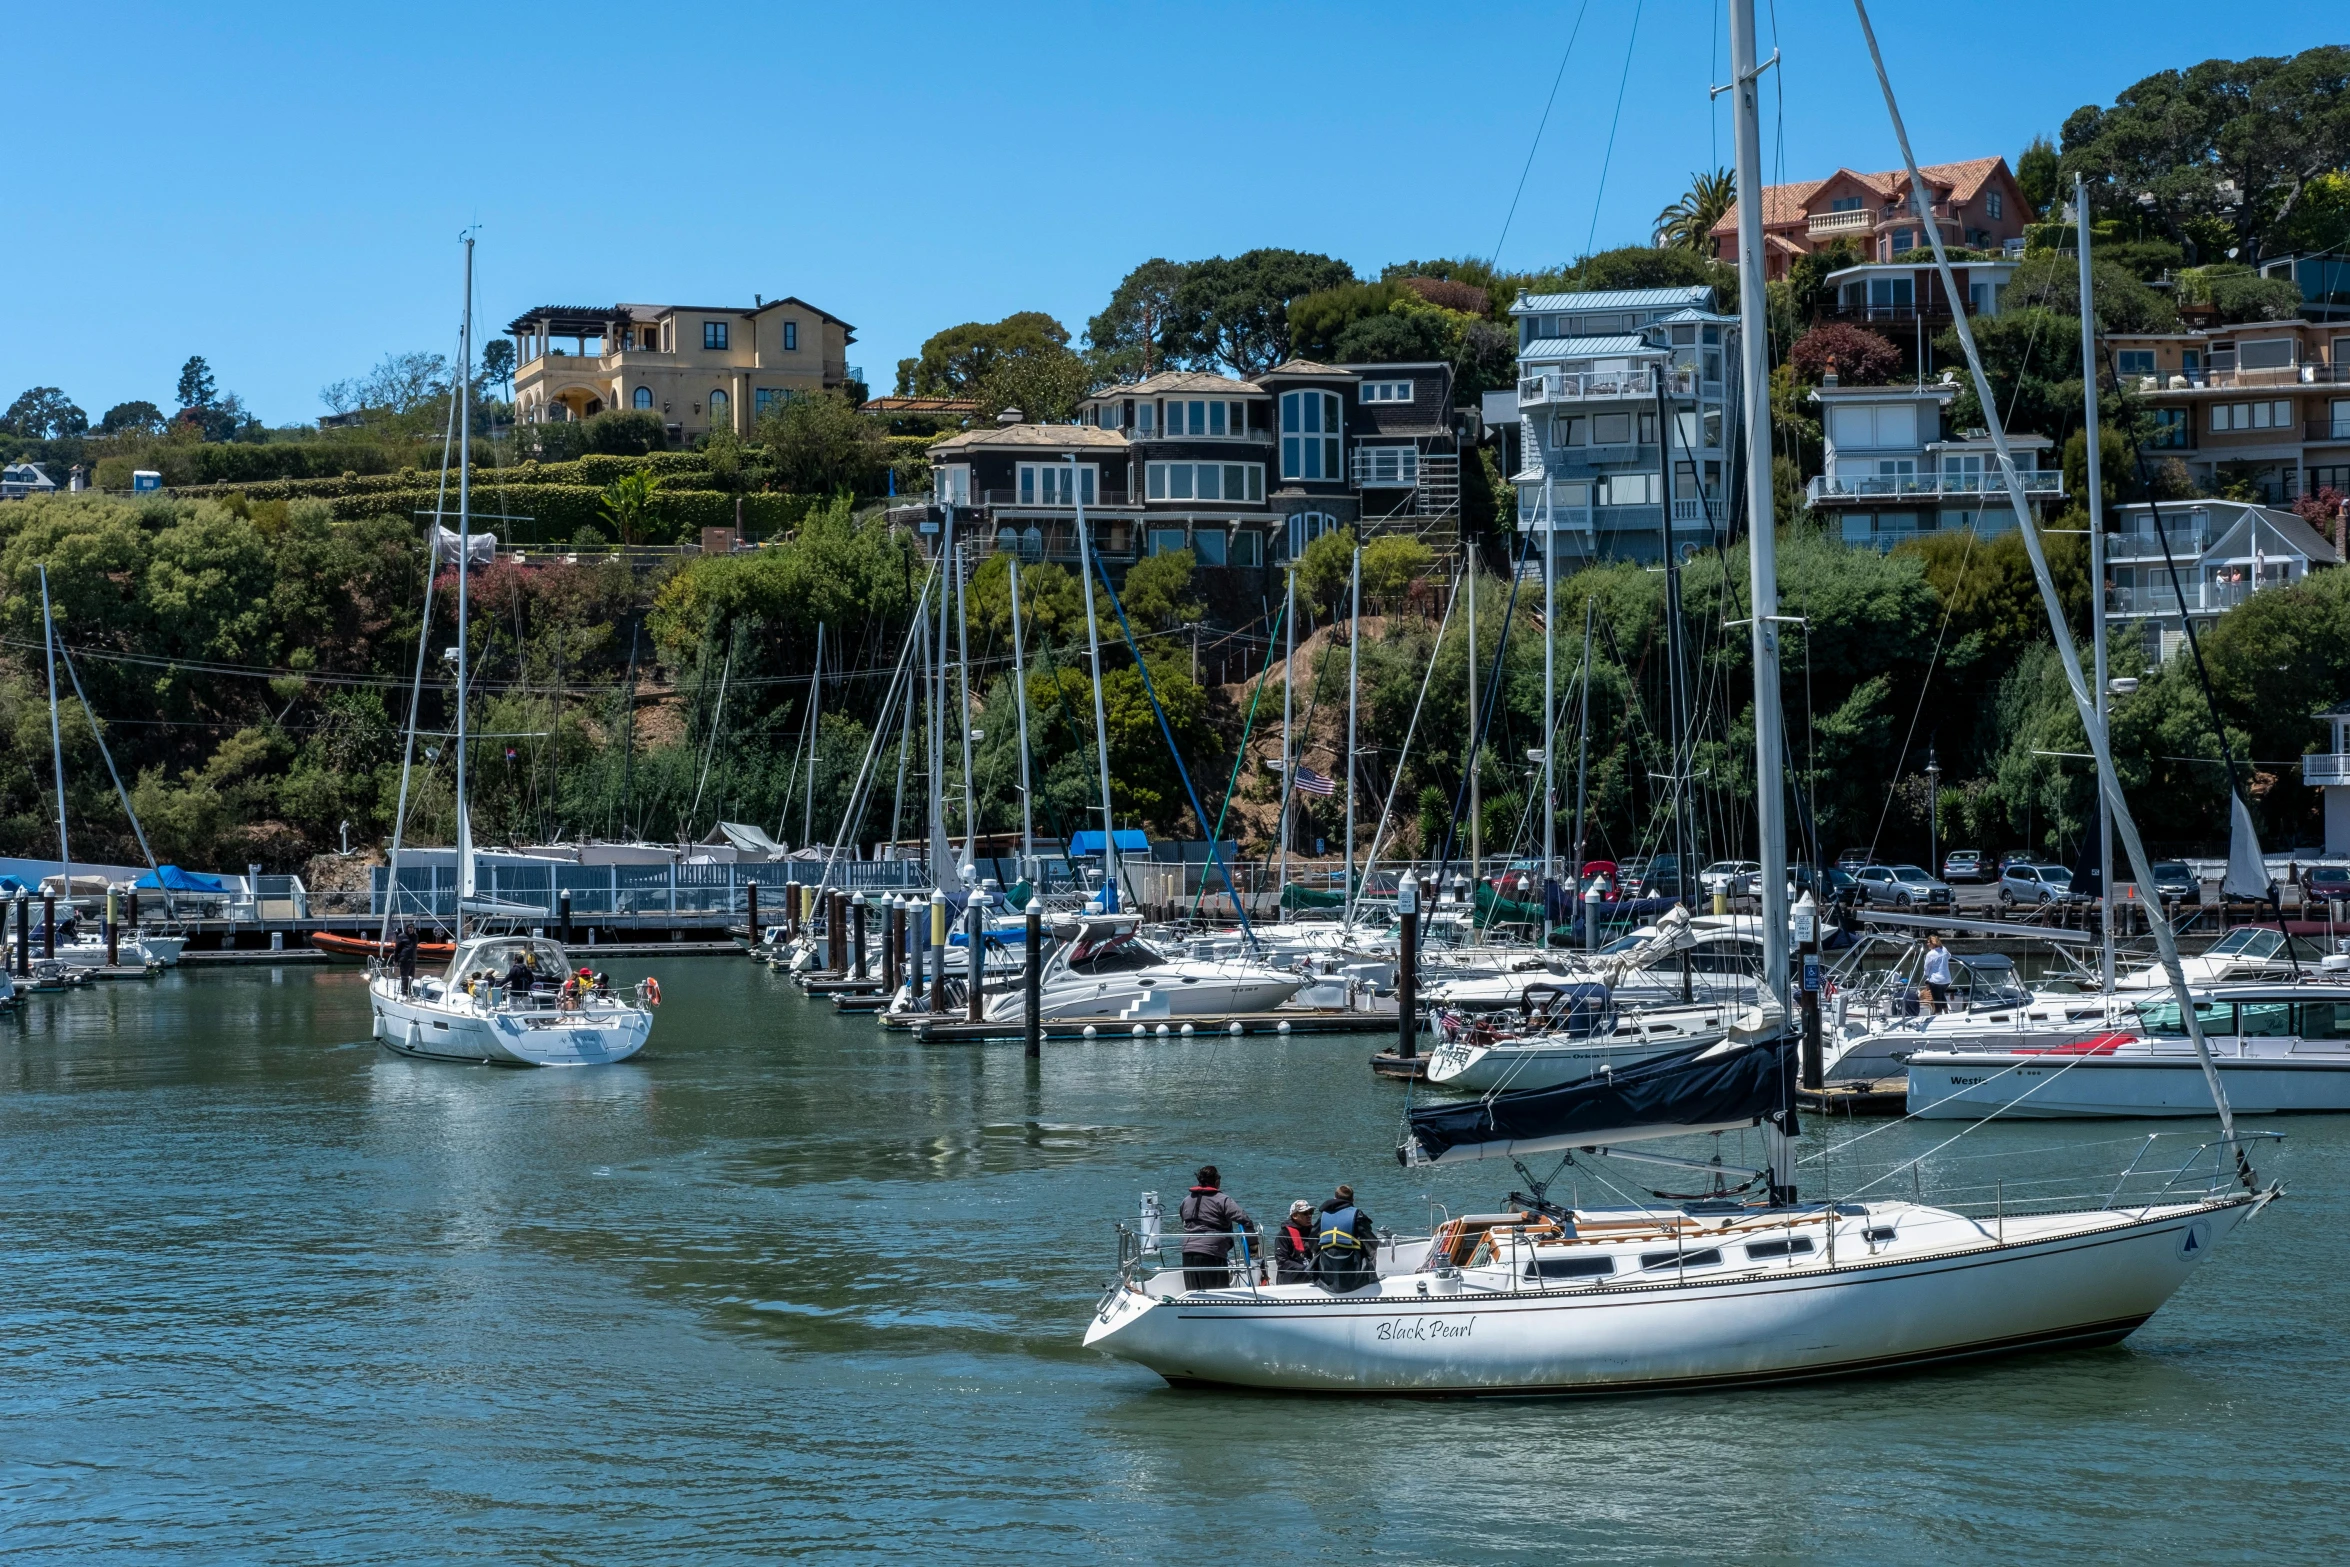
[2223, 553]
[1598, 472]
[2329, 773]
[1892, 472]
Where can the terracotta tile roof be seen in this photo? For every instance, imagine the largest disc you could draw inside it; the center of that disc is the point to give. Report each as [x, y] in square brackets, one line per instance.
[1784, 205]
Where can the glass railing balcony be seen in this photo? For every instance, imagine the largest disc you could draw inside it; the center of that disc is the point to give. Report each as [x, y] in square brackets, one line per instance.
[1927, 486]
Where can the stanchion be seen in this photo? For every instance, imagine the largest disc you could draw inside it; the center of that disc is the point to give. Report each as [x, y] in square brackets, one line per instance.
[48, 926]
[752, 917]
[563, 913]
[113, 937]
[1807, 939]
[893, 942]
[791, 910]
[24, 934]
[1407, 968]
[1032, 1011]
[938, 952]
[857, 935]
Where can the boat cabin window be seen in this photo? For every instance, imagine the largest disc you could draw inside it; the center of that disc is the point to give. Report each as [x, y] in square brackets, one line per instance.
[2162, 1018]
[1763, 1251]
[1571, 1267]
[2324, 1020]
[2247, 943]
[2264, 1019]
[1650, 1261]
[493, 956]
[1118, 954]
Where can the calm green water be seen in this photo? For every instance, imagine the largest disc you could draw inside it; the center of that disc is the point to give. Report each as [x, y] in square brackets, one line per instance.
[788, 1285]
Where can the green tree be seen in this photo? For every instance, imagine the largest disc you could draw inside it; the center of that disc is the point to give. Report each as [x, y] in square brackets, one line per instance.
[44, 413]
[2037, 384]
[196, 387]
[1131, 336]
[1045, 384]
[627, 504]
[1688, 223]
[1235, 312]
[497, 362]
[1859, 356]
[955, 361]
[1050, 610]
[1326, 567]
[821, 444]
[2237, 293]
[2039, 175]
[1645, 266]
[1401, 337]
[2052, 281]
[1391, 563]
[1319, 319]
[2218, 156]
[1155, 590]
[133, 418]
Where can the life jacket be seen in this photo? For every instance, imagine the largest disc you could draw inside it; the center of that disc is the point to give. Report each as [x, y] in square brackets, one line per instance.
[1337, 1234]
[1297, 1240]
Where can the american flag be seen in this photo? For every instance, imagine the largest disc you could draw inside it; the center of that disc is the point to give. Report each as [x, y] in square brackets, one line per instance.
[1311, 782]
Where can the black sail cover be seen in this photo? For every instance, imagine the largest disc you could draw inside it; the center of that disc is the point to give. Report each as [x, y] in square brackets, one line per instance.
[1704, 1088]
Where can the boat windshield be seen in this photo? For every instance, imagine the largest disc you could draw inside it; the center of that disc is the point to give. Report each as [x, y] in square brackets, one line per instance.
[2162, 1018]
[491, 956]
[2250, 942]
[1117, 954]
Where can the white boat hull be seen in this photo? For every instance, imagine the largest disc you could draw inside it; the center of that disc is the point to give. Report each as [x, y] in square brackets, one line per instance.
[1947, 1086]
[1545, 1061]
[1157, 993]
[2059, 1281]
[596, 1035]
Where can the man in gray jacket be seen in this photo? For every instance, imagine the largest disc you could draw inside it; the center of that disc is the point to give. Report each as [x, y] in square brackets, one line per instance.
[1210, 1221]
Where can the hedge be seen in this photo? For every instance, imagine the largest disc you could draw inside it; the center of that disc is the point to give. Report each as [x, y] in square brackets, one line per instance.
[557, 512]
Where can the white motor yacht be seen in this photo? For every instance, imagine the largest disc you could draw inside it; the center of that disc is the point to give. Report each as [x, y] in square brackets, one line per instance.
[2246, 953]
[466, 1014]
[2279, 1049]
[1103, 969]
[1583, 1033]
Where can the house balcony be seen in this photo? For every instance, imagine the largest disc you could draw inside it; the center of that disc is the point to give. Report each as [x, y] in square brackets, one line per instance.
[2202, 598]
[2324, 769]
[2274, 376]
[1106, 498]
[1827, 490]
[1578, 386]
[1584, 519]
[2326, 430]
[1858, 220]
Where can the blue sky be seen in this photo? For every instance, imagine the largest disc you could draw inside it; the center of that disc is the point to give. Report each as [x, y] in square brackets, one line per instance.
[280, 189]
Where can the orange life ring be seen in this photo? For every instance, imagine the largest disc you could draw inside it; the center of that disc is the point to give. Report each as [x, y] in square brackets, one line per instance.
[652, 989]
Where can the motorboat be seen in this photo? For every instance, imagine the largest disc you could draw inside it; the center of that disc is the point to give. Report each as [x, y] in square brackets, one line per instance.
[2249, 952]
[2279, 1049]
[1576, 1033]
[466, 1014]
[1873, 1023]
[1103, 968]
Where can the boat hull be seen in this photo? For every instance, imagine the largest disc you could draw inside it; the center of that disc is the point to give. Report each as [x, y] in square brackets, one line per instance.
[599, 1036]
[1946, 1087]
[2092, 1283]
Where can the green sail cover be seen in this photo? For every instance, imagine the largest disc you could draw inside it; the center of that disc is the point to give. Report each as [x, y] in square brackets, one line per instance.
[1296, 897]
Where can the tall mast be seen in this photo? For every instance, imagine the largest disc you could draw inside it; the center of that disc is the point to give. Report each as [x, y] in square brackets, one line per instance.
[56, 743]
[1101, 722]
[1583, 748]
[1288, 705]
[1770, 791]
[1020, 707]
[942, 851]
[963, 711]
[1476, 833]
[1676, 686]
[815, 735]
[464, 553]
[2096, 573]
[1550, 815]
[1354, 637]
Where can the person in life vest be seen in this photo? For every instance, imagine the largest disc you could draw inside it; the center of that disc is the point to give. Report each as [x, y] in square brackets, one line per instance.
[1293, 1246]
[1211, 1221]
[1345, 1245]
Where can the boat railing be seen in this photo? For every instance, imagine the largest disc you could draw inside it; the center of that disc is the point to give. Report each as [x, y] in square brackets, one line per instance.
[1997, 1185]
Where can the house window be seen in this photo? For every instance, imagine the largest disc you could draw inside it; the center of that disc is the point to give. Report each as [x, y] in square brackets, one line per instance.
[1904, 239]
[642, 397]
[791, 337]
[713, 334]
[720, 411]
[1143, 415]
[1310, 431]
[951, 485]
[2135, 361]
[1203, 481]
[1245, 547]
[1845, 204]
[1994, 206]
[1387, 467]
[1056, 483]
[1165, 541]
[1387, 391]
[1204, 417]
[2252, 416]
[2266, 353]
[1208, 546]
[1307, 526]
[1611, 429]
[2170, 428]
[768, 399]
[1628, 489]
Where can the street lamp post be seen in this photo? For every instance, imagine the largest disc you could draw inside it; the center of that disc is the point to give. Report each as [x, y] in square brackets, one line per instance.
[1933, 814]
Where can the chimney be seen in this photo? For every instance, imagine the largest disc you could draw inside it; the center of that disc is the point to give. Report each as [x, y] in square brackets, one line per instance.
[1009, 416]
[1829, 379]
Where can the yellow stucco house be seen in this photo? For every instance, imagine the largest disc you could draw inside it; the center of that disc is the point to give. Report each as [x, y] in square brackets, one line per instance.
[700, 367]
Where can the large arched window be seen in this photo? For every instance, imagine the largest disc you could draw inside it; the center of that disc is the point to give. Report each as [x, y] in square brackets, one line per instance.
[718, 410]
[1305, 527]
[1310, 430]
[644, 397]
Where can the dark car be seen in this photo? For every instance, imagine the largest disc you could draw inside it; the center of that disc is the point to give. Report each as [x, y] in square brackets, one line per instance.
[1963, 865]
[2327, 882]
[1660, 878]
[1854, 859]
[1842, 888]
[2174, 882]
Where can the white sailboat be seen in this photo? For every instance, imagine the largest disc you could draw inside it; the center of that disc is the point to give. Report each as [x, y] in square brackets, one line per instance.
[1102, 969]
[1715, 1290]
[469, 1012]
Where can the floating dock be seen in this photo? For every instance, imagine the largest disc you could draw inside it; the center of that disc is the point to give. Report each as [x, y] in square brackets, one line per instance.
[936, 1030]
[1882, 1096]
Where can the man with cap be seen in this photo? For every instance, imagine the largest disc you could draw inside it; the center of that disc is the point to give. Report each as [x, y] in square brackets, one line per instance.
[1210, 1221]
[1293, 1246]
[1346, 1247]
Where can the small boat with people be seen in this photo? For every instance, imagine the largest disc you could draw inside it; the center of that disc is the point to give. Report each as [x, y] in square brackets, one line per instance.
[511, 1000]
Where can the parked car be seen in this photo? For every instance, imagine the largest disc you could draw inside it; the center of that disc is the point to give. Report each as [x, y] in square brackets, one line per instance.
[1727, 878]
[1854, 859]
[1902, 887]
[1963, 865]
[2037, 885]
[2017, 857]
[2173, 881]
[1659, 878]
[2326, 882]
[1842, 887]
